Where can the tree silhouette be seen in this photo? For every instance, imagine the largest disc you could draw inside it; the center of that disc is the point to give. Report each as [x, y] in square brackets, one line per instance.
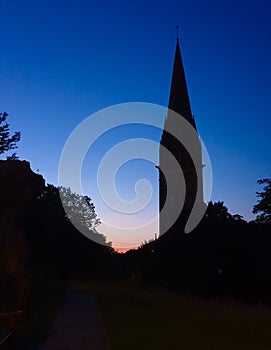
[78, 209]
[218, 212]
[7, 141]
[81, 212]
[56, 245]
[263, 206]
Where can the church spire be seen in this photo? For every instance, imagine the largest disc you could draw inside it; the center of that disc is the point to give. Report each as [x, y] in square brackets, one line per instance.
[179, 98]
[193, 190]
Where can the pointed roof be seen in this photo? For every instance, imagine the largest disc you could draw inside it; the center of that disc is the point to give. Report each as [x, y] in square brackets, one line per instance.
[179, 98]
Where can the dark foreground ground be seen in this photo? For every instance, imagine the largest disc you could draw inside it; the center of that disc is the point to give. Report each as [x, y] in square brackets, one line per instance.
[78, 325]
[101, 317]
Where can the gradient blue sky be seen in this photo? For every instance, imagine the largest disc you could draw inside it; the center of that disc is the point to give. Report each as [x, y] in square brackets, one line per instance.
[62, 61]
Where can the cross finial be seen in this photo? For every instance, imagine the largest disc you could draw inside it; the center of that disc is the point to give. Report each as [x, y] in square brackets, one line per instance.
[177, 31]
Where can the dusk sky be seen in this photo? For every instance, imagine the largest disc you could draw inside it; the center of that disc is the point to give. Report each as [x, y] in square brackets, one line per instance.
[63, 61]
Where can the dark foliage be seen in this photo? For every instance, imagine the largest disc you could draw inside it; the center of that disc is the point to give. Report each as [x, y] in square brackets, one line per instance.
[56, 244]
[37, 238]
[225, 260]
[223, 257]
[263, 206]
[7, 142]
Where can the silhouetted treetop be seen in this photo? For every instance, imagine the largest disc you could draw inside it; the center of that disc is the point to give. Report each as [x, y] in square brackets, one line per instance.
[7, 142]
[217, 212]
[78, 209]
[263, 206]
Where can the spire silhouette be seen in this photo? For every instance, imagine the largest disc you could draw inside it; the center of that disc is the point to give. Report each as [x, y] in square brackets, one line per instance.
[177, 31]
[179, 98]
[179, 103]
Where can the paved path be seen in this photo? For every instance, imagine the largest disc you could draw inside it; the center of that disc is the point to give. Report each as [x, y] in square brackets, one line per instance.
[78, 326]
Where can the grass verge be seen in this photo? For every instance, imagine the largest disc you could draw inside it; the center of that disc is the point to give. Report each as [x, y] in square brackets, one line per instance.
[139, 318]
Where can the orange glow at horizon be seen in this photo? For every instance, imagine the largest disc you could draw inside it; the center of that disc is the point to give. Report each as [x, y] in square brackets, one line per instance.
[123, 250]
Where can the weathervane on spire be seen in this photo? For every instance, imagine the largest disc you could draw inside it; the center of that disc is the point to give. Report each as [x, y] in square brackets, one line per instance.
[177, 31]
